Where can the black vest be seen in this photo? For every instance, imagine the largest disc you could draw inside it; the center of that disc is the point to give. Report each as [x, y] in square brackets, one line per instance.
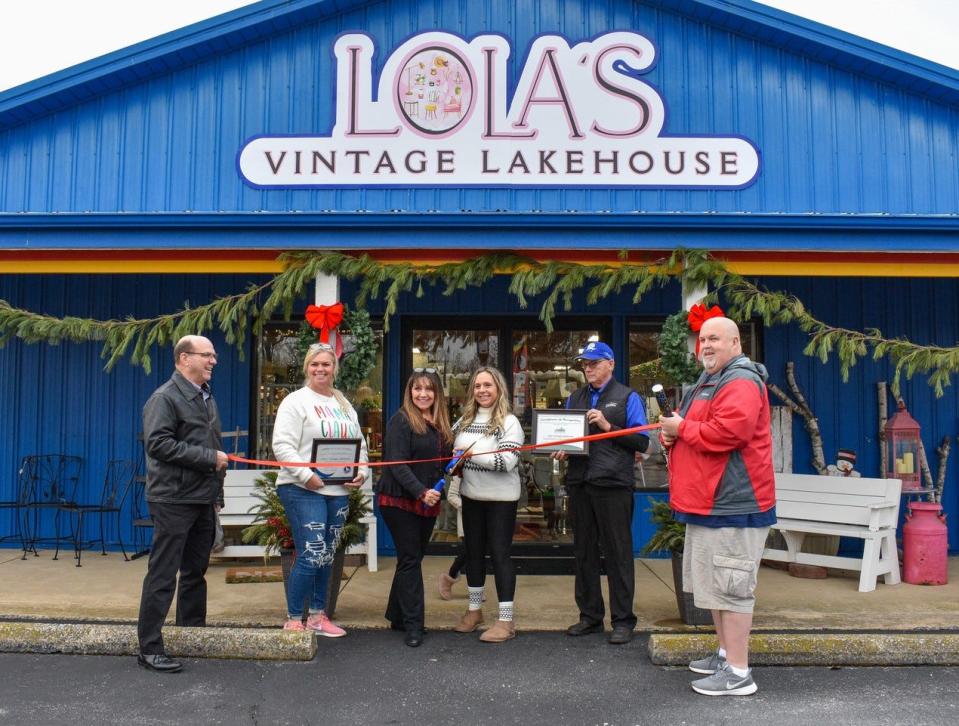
[610, 461]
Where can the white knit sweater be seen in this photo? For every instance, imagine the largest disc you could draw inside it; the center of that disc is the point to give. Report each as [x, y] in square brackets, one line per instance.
[490, 477]
[305, 415]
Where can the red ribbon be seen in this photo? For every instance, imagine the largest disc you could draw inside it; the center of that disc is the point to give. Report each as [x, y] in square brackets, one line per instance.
[698, 314]
[527, 447]
[325, 318]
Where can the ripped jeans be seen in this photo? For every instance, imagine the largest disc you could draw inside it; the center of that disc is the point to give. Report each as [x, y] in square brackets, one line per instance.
[316, 521]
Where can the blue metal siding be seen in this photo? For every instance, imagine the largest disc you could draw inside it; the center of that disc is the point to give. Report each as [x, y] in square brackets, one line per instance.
[924, 311]
[831, 141]
[58, 399]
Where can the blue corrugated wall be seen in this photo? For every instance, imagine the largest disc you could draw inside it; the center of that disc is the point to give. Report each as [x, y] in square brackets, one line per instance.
[831, 141]
[921, 310]
[58, 399]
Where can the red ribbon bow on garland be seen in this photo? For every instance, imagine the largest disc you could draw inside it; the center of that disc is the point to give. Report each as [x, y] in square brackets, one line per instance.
[698, 314]
[326, 318]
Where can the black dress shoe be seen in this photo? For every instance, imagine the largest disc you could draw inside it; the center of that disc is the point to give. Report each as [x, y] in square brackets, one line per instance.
[414, 638]
[159, 662]
[621, 635]
[584, 627]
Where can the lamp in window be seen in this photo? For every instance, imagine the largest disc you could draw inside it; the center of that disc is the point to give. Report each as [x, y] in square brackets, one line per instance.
[902, 438]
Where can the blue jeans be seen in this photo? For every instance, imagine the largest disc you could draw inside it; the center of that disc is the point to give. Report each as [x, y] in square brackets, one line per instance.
[316, 522]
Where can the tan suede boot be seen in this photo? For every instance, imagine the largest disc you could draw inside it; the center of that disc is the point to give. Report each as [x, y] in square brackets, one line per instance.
[470, 622]
[445, 583]
[501, 631]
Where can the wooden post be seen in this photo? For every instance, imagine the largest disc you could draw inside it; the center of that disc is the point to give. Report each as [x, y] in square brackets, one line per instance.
[883, 419]
[327, 293]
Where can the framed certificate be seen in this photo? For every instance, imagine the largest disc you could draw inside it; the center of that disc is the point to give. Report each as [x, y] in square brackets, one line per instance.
[556, 424]
[331, 451]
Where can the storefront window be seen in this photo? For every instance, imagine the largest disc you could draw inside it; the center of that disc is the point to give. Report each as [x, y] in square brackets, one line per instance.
[279, 369]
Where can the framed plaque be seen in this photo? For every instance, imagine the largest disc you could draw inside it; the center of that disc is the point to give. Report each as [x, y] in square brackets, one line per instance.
[557, 424]
[331, 451]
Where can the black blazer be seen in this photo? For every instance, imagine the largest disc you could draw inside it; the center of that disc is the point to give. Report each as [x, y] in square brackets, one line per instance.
[401, 444]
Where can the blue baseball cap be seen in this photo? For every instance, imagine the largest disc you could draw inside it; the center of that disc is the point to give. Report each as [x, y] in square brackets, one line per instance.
[596, 351]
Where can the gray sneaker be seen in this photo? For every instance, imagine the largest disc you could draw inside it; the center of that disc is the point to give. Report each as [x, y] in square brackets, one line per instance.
[709, 665]
[725, 683]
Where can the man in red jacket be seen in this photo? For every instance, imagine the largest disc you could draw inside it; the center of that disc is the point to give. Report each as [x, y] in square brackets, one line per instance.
[721, 485]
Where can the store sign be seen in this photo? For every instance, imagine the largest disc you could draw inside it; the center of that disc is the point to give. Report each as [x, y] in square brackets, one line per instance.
[440, 116]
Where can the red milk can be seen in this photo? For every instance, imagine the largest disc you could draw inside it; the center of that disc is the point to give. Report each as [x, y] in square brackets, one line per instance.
[925, 545]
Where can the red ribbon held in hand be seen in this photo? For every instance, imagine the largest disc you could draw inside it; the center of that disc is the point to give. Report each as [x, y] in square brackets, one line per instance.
[698, 314]
[325, 318]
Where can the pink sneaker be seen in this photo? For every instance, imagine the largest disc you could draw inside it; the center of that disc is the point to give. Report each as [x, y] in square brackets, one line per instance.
[294, 624]
[324, 626]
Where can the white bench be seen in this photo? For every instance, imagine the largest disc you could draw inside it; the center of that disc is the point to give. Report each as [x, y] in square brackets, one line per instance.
[238, 499]
[844, 506]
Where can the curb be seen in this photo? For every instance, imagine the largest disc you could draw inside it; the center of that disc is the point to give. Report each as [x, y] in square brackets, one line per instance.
[817, 649]
[232, 643]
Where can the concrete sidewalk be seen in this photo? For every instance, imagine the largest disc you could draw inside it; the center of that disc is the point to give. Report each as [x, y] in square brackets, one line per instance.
[107, 589]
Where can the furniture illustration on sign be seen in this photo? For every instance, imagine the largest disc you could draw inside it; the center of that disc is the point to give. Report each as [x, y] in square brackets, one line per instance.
[453, 105]
[864, 508]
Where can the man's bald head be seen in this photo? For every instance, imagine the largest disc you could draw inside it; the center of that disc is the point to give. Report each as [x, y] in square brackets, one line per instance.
[188, 343]
[718, 343]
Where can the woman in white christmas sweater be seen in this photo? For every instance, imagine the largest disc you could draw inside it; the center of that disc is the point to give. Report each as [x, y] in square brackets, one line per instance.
[316, 509]
[490, 489]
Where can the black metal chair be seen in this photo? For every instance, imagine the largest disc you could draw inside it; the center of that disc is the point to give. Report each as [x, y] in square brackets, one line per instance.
[48, 483]
[116, 482]
[23, 495]
[140, 516]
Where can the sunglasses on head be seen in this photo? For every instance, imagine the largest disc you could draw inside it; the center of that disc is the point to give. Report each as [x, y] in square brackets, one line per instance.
[425, 370]
[320, 346]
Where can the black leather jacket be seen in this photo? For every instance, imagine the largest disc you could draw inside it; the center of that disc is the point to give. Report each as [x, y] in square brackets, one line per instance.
[181, 435]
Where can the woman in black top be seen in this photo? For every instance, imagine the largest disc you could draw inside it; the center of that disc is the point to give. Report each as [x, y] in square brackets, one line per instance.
[407, 500]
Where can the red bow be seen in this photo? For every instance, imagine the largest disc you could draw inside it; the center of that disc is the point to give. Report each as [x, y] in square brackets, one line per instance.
[698, 314]
[325, 318]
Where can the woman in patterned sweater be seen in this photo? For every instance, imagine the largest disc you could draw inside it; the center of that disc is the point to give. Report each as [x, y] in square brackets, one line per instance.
[490, 490]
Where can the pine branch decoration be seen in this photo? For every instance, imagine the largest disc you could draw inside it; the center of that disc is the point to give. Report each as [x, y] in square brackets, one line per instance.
[556, 281]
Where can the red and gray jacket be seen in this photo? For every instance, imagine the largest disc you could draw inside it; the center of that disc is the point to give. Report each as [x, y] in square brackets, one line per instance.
[721, 464]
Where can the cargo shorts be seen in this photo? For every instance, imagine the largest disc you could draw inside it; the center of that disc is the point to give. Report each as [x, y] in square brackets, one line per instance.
[720, 566]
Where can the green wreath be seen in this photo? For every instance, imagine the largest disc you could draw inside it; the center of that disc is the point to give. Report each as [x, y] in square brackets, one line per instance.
[674, 357]
[356, 365]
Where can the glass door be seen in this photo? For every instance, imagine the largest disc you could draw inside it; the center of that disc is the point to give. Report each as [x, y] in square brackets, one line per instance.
[542, 373]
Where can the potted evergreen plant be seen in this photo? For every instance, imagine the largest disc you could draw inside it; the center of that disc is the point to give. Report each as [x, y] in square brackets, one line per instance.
[670, 536]
[271, 530]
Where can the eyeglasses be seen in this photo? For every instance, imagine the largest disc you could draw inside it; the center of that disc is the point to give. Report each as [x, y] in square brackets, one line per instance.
[208, 356]
[425, 370]
[592, 363]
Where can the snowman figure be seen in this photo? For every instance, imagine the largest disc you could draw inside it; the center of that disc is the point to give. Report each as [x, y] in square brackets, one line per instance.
[845, 461]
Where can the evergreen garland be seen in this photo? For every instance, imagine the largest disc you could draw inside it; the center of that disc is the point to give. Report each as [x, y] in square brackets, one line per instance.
[557, 281]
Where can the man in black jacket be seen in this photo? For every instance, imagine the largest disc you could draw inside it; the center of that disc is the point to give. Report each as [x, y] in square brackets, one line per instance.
[601, 496]
[184, 488]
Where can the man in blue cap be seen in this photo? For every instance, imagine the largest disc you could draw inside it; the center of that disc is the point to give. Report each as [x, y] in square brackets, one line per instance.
[601, 496]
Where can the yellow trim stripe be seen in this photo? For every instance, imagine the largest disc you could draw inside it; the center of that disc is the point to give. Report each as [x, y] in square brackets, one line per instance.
[848, 267]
